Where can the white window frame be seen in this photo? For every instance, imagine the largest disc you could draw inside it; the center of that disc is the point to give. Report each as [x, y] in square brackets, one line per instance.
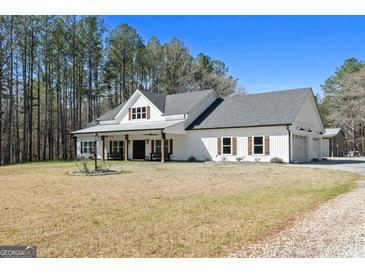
[222, 145]
[160, 146]
[263, 145]
[139, 111]
[88, 147]
[120, 148]
[156, 146]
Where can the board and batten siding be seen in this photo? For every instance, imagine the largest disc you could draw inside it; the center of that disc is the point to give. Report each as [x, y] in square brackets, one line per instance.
[202, 144]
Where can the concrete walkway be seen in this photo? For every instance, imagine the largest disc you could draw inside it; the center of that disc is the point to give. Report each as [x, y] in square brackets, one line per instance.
[336, 229]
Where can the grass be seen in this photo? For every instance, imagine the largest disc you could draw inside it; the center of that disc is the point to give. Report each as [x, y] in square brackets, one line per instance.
[155, 210]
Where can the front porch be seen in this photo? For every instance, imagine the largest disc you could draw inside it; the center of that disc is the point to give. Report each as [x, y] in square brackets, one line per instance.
[147, 146]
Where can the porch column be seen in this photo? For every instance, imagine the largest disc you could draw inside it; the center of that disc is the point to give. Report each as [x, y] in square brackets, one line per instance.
[103, 152]
[126, 147]
[163, 137]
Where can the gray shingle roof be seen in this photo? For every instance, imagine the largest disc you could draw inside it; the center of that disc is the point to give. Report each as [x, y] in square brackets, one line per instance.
[262, 109]
[183, 102]
[157, 99]
[109, 115]
[168, 104]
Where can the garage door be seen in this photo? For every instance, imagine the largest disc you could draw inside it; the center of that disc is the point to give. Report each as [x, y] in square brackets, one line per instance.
[316, 148]
[299, 148]
[325, 148]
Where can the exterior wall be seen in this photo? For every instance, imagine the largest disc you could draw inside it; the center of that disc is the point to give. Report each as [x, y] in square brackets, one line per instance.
[202, 144]
[308, 117]
[141, 101]
[88, 138]
[311, 153]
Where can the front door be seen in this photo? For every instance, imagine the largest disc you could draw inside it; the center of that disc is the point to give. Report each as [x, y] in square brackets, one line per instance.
[139, 149]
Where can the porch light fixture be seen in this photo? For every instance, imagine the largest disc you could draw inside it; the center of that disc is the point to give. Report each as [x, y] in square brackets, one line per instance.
[147, 141]
[309, 130]
[320, 132]
[300, 128]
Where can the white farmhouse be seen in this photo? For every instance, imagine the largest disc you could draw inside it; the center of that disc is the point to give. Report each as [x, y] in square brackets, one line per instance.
[202, 125]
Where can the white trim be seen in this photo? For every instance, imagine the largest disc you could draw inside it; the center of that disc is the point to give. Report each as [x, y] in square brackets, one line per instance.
[138, 119]
[230, 137]
[263, 145]
[128, 105]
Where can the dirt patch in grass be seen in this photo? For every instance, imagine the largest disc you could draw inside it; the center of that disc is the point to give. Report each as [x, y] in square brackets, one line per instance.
[155, 210]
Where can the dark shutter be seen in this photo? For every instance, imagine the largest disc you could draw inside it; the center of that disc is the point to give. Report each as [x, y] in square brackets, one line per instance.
[148, 112]
[82, 144]
[110, 146]
[219, 146]
[234, 146]
[171, 146]
[249, 145]
[152, 146]
[267, 145]
[129, 114]
[122, 150]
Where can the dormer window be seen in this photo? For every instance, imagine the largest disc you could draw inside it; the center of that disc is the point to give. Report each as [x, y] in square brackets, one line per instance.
[139, 113]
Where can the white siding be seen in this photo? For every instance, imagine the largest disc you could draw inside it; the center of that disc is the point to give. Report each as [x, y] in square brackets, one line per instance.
[88, 139]
[202, 144]
[308, 117]
[155, 113]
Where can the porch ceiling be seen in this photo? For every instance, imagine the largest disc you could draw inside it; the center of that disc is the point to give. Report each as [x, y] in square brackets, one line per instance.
[130, 128]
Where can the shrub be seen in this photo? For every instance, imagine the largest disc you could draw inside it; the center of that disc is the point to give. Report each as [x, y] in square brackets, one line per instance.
[83, 167]
[191, 159]
[239, 158]
[276, 160]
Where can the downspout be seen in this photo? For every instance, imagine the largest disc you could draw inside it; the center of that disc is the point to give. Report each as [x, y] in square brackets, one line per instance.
[288, 129]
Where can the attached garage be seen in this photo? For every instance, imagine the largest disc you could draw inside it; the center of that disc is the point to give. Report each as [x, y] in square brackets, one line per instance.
[299, 148]
[325, 148]
[316, 148]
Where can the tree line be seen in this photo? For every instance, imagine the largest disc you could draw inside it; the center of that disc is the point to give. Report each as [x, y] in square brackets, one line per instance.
[58, 73]
[343, 103]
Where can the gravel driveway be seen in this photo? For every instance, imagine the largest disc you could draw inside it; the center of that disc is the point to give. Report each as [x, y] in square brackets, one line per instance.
[336, 229]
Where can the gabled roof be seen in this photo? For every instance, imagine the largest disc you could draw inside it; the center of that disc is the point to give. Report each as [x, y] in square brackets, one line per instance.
[331, 132]
[157, 99]
[168, 104]
[184, 102]
[109, 115]
[247, 110]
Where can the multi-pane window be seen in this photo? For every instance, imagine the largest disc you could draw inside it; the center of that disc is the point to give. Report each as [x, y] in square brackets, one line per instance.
[158, 146]
[258, 145]
[227, 145]
[139, 113]
[117, 147]
[88, 147]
